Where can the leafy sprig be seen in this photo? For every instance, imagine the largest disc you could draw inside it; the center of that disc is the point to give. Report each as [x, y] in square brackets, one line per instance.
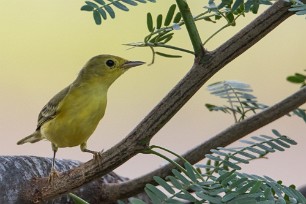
[223, 184]
[101, 9]
[161, 33]
[297, 78]
[241, 102]
[298, 7]
[259, 146]
[161, 30]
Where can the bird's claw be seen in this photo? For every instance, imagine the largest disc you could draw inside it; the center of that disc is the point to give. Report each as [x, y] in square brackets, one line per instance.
[52, 175]
[97, 155]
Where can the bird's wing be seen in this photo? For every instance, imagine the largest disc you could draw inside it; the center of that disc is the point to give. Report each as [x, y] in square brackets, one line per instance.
[50, 109]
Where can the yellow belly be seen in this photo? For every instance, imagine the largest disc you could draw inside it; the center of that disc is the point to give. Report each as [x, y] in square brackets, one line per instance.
[76, 120]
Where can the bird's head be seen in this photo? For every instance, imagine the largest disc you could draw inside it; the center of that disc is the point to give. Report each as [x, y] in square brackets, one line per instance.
[107, 67]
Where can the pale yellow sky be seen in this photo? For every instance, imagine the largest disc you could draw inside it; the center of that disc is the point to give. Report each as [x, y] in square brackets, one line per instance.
[45, 44]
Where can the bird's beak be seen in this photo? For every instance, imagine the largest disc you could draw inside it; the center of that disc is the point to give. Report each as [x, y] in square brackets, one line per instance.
[130, 64]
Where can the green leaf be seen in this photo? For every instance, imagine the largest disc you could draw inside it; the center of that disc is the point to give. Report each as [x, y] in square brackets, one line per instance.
[132, 3]
[179, 176]
[208, 19]
[177, 18]
[170, 15]
[251, 156]
[297, 78]
[275, 146]
[120, 6]
[264, 147]
[214, 158]
[77, 200]
[294, 79]
[103, 13]
[110, 11]
[255, 7]
[150, 22]
[248, 142]
[219, 152]
[256, 187]
[225, 175]
[156, 191]
[190, 172]
[300, 113]
[167, 39]
[177, 184]
[288, 140]
[168, 55]
[260, 139]
[237, 4]
[97, 17]
[275, 132]
[92, 4]
[164, 37]
[228, 180]
[154, 198]
[164, 184]
[232, 165]
[258, 151]
[268, 194]
[87, 8]
[237, 183]
[238, 159]
[159, 21]
[225, 3]
[135, 201]
[186, 196]
[101, 2]
[246, 187]
[302, 12]
[229, 196]
[212, 199]
[281, 143]
[230, 18]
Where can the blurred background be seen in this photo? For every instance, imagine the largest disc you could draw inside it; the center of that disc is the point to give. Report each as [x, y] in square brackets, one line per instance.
[45, 44]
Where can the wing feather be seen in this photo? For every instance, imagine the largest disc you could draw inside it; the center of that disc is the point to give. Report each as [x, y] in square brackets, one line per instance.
[49, 111]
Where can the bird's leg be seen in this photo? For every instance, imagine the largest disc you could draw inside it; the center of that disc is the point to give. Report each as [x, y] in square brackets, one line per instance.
[53, 172]
[96, 155]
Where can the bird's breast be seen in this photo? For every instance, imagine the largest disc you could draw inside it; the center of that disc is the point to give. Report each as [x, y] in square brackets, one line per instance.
[77, 118]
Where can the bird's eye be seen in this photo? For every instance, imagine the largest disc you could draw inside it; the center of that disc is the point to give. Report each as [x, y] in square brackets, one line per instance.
[110, 63]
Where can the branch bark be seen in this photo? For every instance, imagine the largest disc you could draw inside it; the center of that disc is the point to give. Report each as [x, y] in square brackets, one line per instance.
[224, 138]
[204, 67]
[15, 171]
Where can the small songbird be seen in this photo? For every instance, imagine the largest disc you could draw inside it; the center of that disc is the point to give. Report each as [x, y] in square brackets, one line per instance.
[73, 114]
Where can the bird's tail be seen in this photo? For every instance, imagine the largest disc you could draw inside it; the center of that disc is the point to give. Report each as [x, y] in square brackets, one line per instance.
[35, 137]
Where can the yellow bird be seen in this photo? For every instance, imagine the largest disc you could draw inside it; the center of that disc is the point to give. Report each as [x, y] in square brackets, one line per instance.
[73, 114]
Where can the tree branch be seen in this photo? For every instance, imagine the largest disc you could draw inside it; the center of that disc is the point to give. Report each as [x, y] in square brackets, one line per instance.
[138, 140]
[224, 138]
[15, 171]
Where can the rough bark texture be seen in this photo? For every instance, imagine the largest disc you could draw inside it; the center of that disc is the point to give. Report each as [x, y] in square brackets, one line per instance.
[17, 170]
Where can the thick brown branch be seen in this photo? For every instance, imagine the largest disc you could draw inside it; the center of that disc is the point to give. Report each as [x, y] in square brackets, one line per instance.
[203, 69]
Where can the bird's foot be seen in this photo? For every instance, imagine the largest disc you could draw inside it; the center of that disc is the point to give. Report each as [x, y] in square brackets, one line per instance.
[52, 175]
[97, 155]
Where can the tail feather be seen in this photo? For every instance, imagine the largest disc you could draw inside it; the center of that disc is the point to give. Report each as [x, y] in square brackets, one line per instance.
[35, 137]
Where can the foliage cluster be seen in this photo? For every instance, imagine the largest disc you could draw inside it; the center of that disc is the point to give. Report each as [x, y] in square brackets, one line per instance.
[222, 182]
